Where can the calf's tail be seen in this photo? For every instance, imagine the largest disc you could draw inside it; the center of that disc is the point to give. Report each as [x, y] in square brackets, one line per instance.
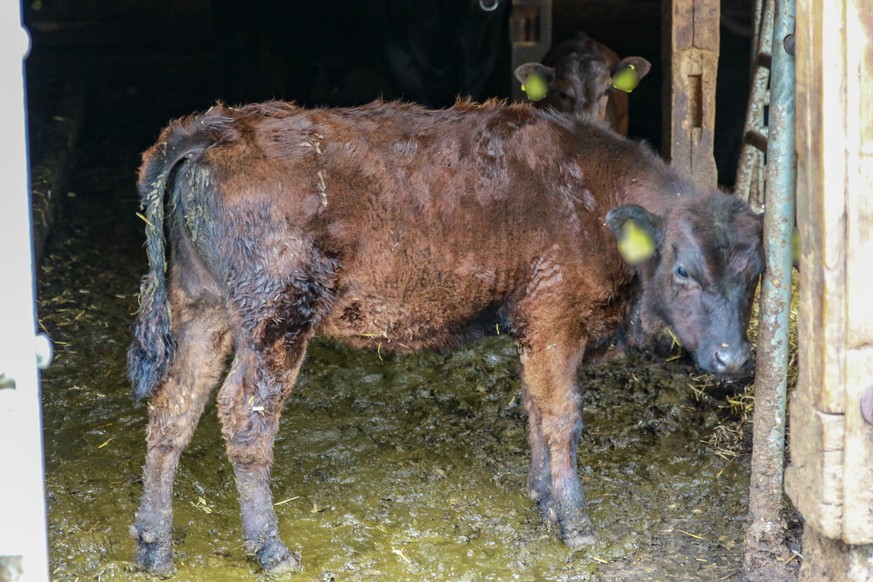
[153, 345]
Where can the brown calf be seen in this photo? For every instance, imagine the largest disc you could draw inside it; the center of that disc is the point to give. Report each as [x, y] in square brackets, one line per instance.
[390, 225]
[579, 73]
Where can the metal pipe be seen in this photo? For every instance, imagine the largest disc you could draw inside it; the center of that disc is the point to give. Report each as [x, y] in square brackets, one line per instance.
[23, 540]
[750, 158]
[764, 535]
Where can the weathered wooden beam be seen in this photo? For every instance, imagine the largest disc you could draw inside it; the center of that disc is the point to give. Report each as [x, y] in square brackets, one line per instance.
[831, 471]
[690, 54]
[858, 525]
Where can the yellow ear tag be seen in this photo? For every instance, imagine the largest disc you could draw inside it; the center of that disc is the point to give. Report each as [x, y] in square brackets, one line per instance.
[626, 79]
[535, 86]
[635, 244]
[795, 246]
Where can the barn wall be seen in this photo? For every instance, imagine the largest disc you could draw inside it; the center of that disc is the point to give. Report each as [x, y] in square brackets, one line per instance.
[831, 442]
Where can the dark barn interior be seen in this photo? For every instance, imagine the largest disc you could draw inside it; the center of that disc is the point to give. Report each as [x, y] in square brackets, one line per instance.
[350, 53]
[389, 467]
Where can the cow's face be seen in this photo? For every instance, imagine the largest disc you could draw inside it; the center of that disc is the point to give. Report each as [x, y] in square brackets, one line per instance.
[701, 276]
[580, 84]
[580, 87]
[574, 86]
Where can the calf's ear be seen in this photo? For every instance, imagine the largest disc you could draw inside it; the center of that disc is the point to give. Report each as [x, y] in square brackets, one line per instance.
[522, 72]
[639, 64]
[639, 232]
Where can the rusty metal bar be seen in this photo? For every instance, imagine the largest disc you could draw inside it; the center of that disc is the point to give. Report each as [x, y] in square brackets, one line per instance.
[757, 15]
[757, 139]
[764, 60]
[751, 160]
[765, 532]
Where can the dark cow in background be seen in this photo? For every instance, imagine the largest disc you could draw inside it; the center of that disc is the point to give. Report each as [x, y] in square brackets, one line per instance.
[349, 53]
[435, 51]
[579, 73]
[402, 228]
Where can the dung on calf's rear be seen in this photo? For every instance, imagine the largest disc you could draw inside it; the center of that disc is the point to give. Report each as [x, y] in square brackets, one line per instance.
[396, 227]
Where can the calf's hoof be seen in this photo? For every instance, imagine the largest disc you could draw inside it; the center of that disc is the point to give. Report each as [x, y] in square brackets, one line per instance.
[576, 539]
[152, 552]
[578, 534]
[275, 558]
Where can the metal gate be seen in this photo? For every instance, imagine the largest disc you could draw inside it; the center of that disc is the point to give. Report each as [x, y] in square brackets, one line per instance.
[23, 539]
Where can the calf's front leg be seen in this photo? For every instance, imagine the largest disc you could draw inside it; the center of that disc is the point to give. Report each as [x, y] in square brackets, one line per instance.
[555, 422]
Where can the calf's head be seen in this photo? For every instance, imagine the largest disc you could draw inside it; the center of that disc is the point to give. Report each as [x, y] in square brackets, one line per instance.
[698, 273]
[580, 84]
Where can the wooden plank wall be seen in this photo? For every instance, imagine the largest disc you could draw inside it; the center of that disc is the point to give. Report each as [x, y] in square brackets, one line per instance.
[690, 57]
[830, 479]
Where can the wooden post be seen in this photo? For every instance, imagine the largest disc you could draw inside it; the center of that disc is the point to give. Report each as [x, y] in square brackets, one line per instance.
[830, 479]
[690, 55]
[530, 31]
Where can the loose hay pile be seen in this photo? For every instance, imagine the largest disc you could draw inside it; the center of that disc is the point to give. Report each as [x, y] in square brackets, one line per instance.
[733, 436]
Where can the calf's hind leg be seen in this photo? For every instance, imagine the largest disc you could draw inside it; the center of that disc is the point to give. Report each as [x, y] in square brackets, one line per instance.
[249, 404]
[203, 342]
[270, 346]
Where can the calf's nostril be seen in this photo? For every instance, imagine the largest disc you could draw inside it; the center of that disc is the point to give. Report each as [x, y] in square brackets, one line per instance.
[730, 360]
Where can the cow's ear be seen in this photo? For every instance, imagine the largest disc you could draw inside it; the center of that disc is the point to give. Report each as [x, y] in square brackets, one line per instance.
[627, 73]
[522, 72]
[639, 232]
[639, 64]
